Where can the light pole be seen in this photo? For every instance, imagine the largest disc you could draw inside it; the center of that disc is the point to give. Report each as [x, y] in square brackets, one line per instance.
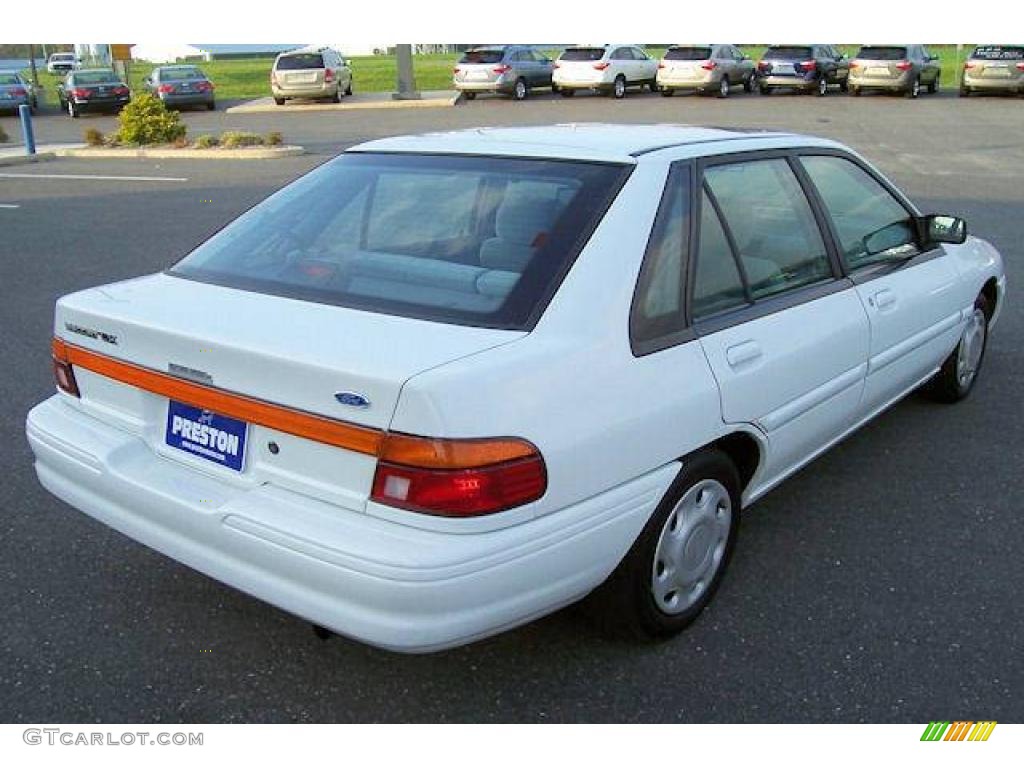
[406, 76]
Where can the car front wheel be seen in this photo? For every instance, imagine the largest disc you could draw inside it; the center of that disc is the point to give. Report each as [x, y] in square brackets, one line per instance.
[520, 92]
[956, 378]
[675, 565]
[619, 87]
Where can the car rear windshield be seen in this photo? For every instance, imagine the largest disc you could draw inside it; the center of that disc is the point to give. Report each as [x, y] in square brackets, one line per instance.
[999, 53]
[62, 57]
[301, 61]
[180, 73]
[9, 79]
[688, 54]
[92, 78]
[480, 241]
[882, 53]
[482, 57]
[788, 52]
[582, 54]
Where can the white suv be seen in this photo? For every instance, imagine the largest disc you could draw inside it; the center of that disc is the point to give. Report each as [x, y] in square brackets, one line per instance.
[445, 384]
[610, 69]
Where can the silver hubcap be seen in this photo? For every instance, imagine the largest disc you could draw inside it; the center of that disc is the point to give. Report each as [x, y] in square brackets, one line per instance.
[972, 344]
[691, 546]
[520, 89]
[620, 87]
[822, 85]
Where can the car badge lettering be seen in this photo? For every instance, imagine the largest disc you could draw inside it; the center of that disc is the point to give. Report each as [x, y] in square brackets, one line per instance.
[91, 333]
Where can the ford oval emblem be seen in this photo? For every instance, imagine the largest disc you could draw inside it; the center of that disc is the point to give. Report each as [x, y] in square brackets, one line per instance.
[352, 399]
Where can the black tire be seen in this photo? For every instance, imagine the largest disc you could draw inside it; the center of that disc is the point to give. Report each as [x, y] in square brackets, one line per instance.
[723, 88]
[468, 95]
[279, 102]
[749, 84]
[933, 86]
[618, 90]
[964, 91]
[211, 106]
[856, 90]
[914, 89]
[336, 98]
[567, 93]
[765, 89]
[73, 110]
[667, 92]
[625, 602]
[844, 86]
[949, 385]
[653, 85]
[520, 90]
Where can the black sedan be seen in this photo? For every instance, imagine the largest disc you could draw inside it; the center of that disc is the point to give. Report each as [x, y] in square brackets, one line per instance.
[181, 85]
[92, 90]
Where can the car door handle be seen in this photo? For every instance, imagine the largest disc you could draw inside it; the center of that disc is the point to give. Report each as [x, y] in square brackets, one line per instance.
[743, 353]
[882, 299]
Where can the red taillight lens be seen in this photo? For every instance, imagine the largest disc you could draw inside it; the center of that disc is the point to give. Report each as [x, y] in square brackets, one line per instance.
[808, 66]
[708, 65]
[204, 85]
[455, 70]
[903, 66]
[763, 66]
[854, 64]
[501, 69]
[81, 93]
[458, 478]
[661, 65]
[1020, 66]
[556, 65]
[63, 374]
[601, 65]
[165, 88]
[19, 92]
[328, 75]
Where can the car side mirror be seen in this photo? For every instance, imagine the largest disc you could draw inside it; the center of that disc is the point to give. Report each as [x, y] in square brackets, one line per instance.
[938, 228]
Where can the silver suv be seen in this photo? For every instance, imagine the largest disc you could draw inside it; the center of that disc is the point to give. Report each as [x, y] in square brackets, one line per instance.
[310, 73]
[896, 68]
[513, 70]
[705, 69]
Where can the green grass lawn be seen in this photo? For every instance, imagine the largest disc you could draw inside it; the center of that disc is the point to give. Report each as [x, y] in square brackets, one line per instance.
[250, 78]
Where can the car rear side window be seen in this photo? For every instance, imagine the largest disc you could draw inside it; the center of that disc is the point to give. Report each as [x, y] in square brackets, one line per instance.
[482, 57]
[771, 223]
[871, 224]
[883, 53]
[688, 54]
[658, 303]
[470, 240]
[582, 54]
[301, 61]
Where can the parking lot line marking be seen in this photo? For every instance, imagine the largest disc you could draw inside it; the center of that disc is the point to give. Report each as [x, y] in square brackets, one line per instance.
[9, 205]
[87, 177]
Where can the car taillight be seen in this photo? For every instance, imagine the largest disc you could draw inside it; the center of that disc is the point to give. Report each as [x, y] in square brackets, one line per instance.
[903, 66]
[763, 66]
[63, 374]
[458, 478]
[121, 90]
[165, 88]
[661, 65]
[455, 70]
[204, 85]
[19, 92]
[854, 65]
[501, 69]
[555, 65]
[708, 65]
[328, 75]
[1020, 66]
[81, 93]
[808, 66]
[601, 65]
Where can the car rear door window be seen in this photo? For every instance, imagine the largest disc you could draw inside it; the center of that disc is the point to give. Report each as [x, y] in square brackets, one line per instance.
[871, 224]
[772, 225]
[658, 303]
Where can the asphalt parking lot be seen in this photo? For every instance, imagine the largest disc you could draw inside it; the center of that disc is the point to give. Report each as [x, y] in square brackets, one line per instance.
[880, 584]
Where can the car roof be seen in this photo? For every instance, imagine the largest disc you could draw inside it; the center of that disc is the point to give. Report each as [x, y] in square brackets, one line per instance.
[588, 141]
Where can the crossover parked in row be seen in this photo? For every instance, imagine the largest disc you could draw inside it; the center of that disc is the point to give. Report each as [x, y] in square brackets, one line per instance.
[994, 69]
[705, 69]
[808, 68]
[310, 73]
[445, 384]
[92, 90]
[896, 68]
[513, 70]
[181, 85]
[610, 69]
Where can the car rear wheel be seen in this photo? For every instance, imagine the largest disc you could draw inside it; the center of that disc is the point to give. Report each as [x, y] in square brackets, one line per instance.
[855, 90]
[933, 86]
[348, 88]
[822, 86]
[749, 83]
[211, 105]
[567, 92]
[619, 87]
[956, 378]
[653, 85]
[336, 98]
[723, 88]
[964, 91]
[279, 102]
[667, 92]
[915, 88]
[678, 560]
[765, 90]
[520, 91]
[72, 109]
[468, 95]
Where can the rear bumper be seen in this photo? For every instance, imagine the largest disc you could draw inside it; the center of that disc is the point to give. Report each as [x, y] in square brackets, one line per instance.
[15, 102]
[788, 81]
[386, 584]
[485, 86]
[102, 105]
[185, 99]
[315, 92]
[711, 79]
[900, 83]
[1009, 85]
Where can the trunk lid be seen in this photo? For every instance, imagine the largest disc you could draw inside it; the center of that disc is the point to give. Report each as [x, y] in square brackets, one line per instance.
[286, 352]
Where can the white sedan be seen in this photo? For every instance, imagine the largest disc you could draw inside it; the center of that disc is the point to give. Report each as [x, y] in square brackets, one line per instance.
[446, 384]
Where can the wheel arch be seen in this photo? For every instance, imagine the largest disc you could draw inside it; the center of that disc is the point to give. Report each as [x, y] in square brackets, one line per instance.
[744, 449]
[990, 290]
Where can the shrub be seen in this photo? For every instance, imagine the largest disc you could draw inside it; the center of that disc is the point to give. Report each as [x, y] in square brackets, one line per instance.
[206, 141]
[235, 139]
[145, 120]
[94, 138]
[180, 143]
[274, 139]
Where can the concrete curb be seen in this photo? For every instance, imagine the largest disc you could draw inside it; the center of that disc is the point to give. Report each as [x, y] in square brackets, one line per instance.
[22, 159]
[431, 99]
[168, 153]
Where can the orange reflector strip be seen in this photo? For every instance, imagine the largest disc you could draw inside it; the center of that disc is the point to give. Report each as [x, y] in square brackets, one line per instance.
[397, 448]
[342, 434]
